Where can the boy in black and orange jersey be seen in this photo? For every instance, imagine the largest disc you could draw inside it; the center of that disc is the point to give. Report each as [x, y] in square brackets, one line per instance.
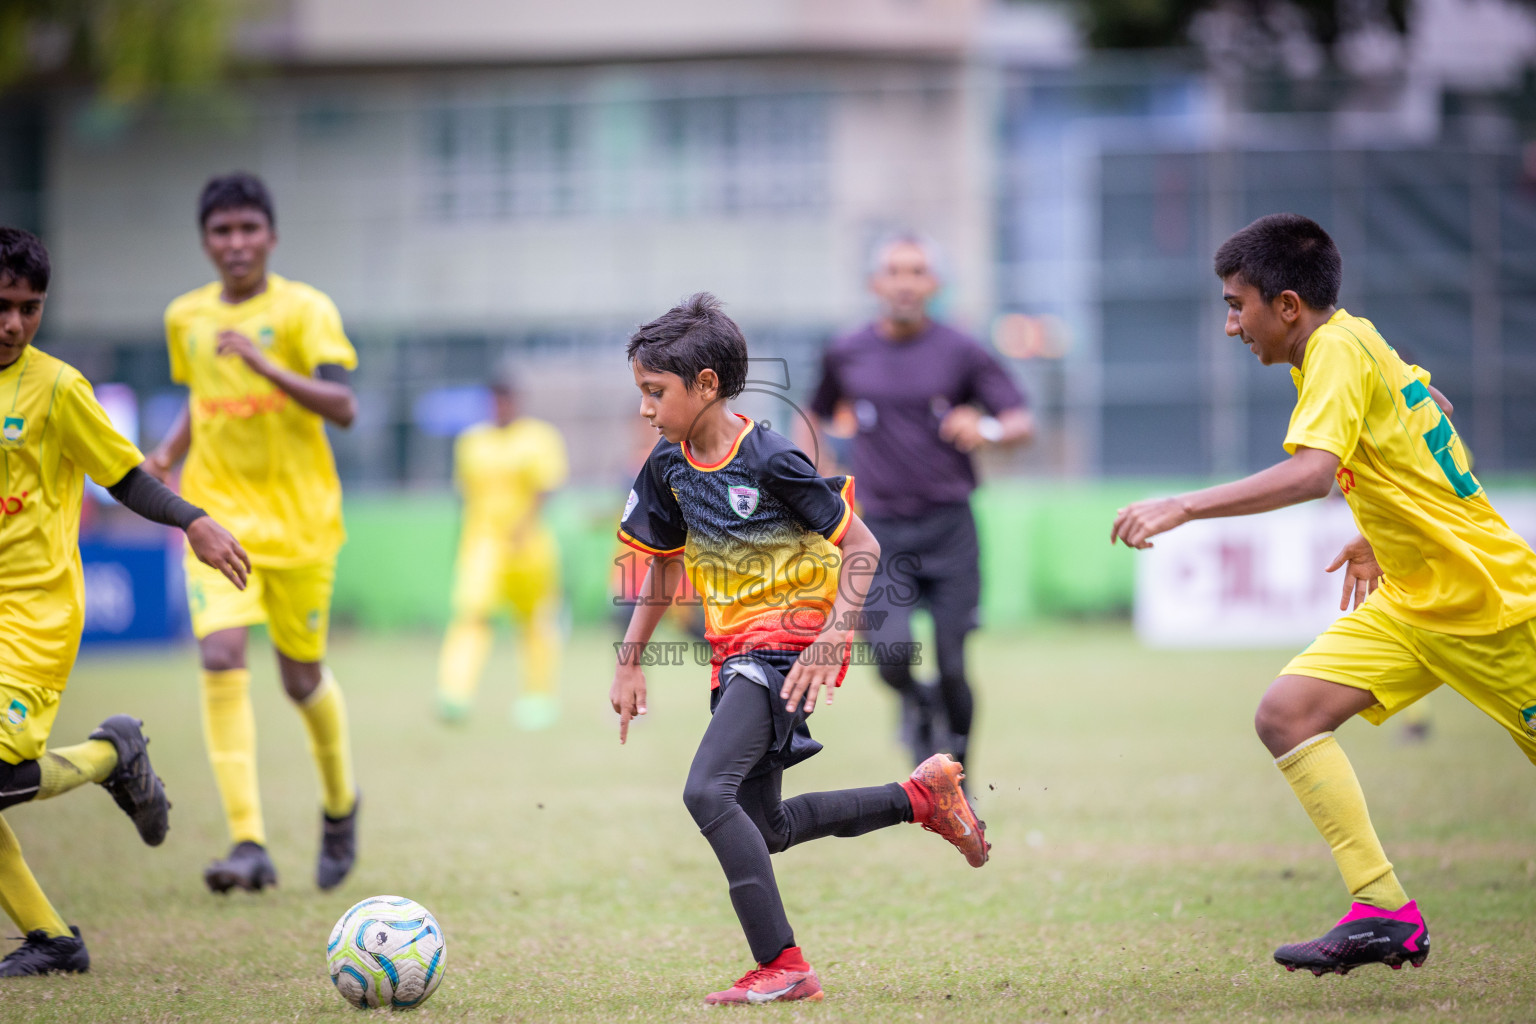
[764, 540]
[53, 434]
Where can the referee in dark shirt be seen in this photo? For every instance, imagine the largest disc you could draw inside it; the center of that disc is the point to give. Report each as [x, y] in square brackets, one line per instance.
[924, 397]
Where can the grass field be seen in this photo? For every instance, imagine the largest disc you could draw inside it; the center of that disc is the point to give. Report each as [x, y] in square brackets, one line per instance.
[1148, 856]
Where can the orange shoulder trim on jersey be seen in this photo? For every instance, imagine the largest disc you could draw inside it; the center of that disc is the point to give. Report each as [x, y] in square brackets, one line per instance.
[842, 527]
[641, 546]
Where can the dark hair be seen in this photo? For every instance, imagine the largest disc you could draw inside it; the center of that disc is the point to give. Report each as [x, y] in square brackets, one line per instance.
[1284, 252]
[23, 258]
[692, 336]
[237, 191]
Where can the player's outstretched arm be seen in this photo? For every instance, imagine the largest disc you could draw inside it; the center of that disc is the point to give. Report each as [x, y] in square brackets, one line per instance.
[172, 449]
[1306, 475]
[327, 394]
[1361, 573]
[812, 670]
[142, 494]
[627, 695]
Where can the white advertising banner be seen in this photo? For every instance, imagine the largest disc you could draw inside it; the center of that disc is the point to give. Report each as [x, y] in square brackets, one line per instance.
[1256, 581]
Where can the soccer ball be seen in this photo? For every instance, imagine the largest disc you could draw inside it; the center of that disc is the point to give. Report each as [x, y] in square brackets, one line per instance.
[386, 951]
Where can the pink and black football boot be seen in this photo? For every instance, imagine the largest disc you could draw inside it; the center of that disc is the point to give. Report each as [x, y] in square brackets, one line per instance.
[1365, 935]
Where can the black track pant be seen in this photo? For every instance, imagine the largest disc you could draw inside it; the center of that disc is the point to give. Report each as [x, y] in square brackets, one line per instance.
[746, 819]
[930, 562]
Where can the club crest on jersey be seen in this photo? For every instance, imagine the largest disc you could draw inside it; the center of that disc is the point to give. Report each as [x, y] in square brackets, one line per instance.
[1528, 713]
[744, 501]
[265, 337]
[15, 717]
[13, 432]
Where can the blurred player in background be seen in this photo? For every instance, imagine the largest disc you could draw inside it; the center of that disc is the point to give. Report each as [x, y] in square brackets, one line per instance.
[54, 435]
[924, 397]
[1445, 591]
[508, 557]
[267, 364]
[766, 539]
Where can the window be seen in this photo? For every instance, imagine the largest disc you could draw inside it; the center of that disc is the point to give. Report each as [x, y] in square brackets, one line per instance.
[504, 161]
[674, 157]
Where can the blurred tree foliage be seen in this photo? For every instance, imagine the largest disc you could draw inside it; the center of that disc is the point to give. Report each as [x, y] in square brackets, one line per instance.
[1137, 24]
[131, 50]
[1133, 24]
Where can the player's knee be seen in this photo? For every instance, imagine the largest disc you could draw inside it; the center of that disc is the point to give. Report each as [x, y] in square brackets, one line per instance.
[777, 842]
[221, 655]
[776, 829]
[1277, 725]
[706, 799]
[300, 679]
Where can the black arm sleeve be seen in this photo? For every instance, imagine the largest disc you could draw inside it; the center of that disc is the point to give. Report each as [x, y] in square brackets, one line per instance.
[141, 493]
[333, 373]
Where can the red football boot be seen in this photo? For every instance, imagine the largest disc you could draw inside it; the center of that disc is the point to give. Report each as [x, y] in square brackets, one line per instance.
[787, 977]
[940, 806]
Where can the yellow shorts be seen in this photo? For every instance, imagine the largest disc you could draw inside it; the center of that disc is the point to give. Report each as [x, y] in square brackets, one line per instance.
[1399, 664]
[26, 718]
[489, 577]
[294, 603]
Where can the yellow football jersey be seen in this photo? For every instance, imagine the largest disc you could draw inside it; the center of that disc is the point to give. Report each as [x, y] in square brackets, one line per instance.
[500, 471]
[53, 433]
[1452, 564]
[260, 463]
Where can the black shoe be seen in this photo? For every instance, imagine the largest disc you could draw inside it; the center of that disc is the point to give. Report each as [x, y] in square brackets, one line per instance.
[338, 847]
[247, 867]
[1365, 935]
[40, 954]
[133, 783]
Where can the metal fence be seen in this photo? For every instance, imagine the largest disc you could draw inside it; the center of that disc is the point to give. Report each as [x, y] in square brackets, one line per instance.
[1116, 191]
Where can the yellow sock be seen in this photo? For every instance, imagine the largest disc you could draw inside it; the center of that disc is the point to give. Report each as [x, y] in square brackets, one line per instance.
[465, 649]
[1326, 785]
[64, 768]
[325, 718]
[229, 726]
[541, 651]
[20, 894]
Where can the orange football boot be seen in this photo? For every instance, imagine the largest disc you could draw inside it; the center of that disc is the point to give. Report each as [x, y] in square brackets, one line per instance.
[949, 813]
[787, 977]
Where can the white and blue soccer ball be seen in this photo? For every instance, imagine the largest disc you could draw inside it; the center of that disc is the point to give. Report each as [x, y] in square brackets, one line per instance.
[386, 951]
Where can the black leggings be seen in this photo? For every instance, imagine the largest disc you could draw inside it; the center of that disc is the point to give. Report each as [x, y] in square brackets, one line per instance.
[747, 819]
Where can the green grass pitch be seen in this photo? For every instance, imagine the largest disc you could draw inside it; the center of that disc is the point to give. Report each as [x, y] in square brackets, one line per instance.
[1148, 856]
